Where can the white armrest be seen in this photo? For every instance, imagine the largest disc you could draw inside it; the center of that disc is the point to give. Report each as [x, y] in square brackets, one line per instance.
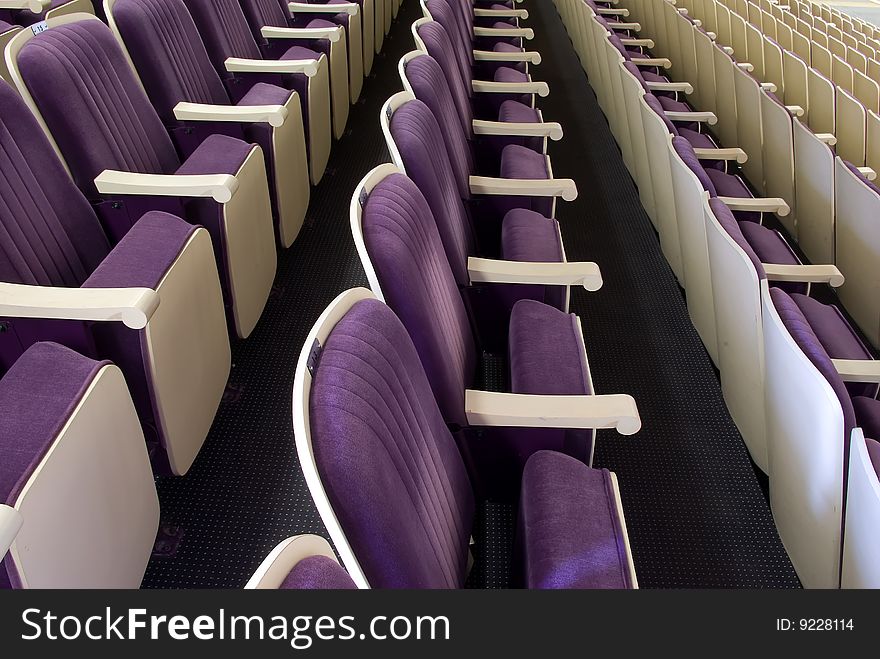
[682, 10]
[745, 66]
[524, 32]
[496, 271]
[604, 11]
[712, 36]
[854, 370]
[818, 274]
[732, 153]
[647, 43]
[132, 306]
[350, 8]
[651, 61]
[524, 187]
[532, 57]
[36, 6]
[728, 50]
[867, 172]
[501, 13]
[492, 87]
[332, 34]
[795, 110]
[768, 87]
[10, 523]
[759, 205]
[634, 27]
[685, 87]
[273, 115]
[827, 138]
[549, 129]
[242, 65]
[695, 21]
[219, 187]
[489, 408]
[707, 117]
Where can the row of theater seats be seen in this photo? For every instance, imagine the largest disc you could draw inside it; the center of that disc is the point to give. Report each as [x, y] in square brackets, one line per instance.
[151, 166]
[798, 380]
[398, 441]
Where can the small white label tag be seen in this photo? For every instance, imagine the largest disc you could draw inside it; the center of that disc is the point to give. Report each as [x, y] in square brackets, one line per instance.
[42, 26]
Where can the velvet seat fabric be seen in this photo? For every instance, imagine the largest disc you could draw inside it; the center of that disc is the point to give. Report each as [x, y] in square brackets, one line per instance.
[317, 573]
[388, 463]
[867, 411]
[519, 162]
[874, 454]
[570, 533]
[37, 396]
[529, 236]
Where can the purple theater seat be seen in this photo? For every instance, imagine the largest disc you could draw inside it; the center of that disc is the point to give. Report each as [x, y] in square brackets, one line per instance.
[528, 235]
[174, 67]
[44, 246]
[74, 465]
[560, 546]
[714, 181]
[874, 454]
[331, 42]
[867, 411]
[226, 33]
[405, 251]
[352, 16]
[368, 379]
[72, 71]
[519, 162]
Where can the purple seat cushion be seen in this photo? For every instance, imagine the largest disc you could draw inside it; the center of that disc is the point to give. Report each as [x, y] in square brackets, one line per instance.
[504, 47]
[317, 573]
[686, 152]
[697, 140]
[520, 162]
[219, 154]
[144, 255]
[650, 76]
[405, 248]
[570, 532]
[731, 185]
[300, 52]
[265, 94]
[874, 454]
[671, 105]
[387, 460]
[771, 247]
[735, 230]
[529, 236]
[546, 356]
[516, 112]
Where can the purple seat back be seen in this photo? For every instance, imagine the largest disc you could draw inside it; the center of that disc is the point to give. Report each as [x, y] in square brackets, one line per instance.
[431, 87]
[317, 573]
[49, 234]
[439, 47]
[420, 142]
[728, 222]
[686, 152]
[93, 105]
[406, 251]
[168, 53]
[388, 463]
[462, 45]
[260, 13]
[617, 43]
[225, 30]
[796, 323]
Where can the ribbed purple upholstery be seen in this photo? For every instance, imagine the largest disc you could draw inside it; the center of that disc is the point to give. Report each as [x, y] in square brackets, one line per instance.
[867, 411]
[570, 533]
[431, 87]
[439, 47]
[406, 251]
[37, 396]
[49, 234]
[529, 236]
[317, 573]
[732, 227]
[388, 463]
[168, 53]
[516, 112]
[224, 30]
[264, 12]
[803, 333]
[686, 152]
[421, 145]
[76, 73]
[462, 42]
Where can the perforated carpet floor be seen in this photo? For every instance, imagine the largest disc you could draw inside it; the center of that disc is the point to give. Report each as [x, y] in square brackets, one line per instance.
[694, 507]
